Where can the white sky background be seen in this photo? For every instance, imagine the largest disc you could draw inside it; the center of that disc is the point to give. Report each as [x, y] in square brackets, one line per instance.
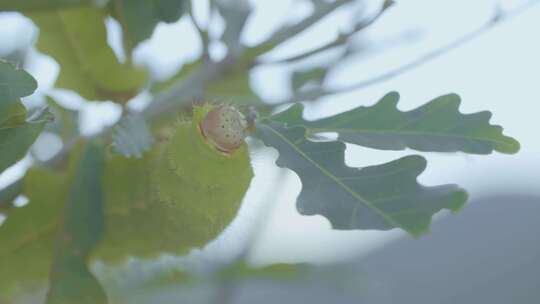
[498, 71]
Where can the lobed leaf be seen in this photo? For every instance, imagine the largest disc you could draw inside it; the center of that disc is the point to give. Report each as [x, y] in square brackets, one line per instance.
[437, 126]
[378, 197]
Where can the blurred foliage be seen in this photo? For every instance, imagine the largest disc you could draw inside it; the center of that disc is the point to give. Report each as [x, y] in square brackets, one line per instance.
[28, 235]
[17, 133]
[148, 186]
[139, 18]
[77, 40]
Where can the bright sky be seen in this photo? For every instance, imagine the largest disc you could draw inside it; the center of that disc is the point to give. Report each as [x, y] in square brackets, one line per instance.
[498, 72]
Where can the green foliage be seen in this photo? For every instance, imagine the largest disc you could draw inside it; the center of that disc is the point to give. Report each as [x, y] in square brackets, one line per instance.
[28, 235]
[140, 17]
[436, 126]
[28, 5]
[81, 228]
[76, 39]
[378, 197]
[181, 191]
[8, 194]
[14, 84]
[16, 134]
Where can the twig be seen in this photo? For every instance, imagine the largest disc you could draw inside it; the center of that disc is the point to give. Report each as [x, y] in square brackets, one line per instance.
[203, 34]
[322, 10]
[496, 20]
[340, 40]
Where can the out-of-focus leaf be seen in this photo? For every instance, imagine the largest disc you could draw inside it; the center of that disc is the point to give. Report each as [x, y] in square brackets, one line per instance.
[132, 136]
[65, 122]
[140, 17]
[80, 230]
[8, 194]
[27, 237]
[14, 84]
[28, 5]
[379, 197]
[15, 141]
[436, 126]
[77, 40]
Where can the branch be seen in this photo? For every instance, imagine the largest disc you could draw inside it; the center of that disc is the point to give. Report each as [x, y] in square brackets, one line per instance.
[322, 10]
[203, 34]
[498, 19]
[340, 40]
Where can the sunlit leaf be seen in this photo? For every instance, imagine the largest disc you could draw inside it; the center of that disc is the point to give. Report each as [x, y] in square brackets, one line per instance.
[139, 18]
[378, 197]
[77, 40]
[436, 126]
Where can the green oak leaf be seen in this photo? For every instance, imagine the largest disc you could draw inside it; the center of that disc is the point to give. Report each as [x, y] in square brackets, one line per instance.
[29, 5]
[139, 18]
[77, 40]
[378, 197]
[437, 126]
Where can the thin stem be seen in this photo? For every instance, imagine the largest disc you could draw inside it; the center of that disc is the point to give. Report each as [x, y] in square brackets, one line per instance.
[203, 34]
[340, 40]
[436, 53]
[288, 32]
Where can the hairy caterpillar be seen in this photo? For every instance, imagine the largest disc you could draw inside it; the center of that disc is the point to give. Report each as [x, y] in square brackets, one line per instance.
[186, 190]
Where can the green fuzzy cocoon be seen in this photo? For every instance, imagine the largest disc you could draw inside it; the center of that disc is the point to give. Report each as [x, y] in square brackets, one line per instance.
[179, 196]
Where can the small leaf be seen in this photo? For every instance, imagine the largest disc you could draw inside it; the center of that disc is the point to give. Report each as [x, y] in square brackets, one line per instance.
[378, 197]
[77, 40]
[437, 126]
[139, 18]
[132, 137]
